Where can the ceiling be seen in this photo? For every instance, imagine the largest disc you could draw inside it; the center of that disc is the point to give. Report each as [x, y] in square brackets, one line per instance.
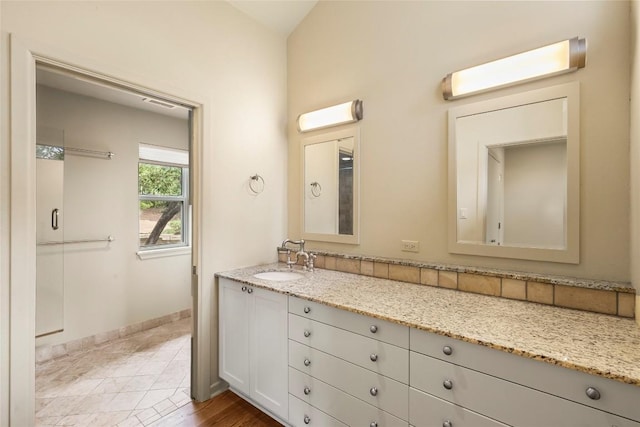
[278, 15]
[77, 84]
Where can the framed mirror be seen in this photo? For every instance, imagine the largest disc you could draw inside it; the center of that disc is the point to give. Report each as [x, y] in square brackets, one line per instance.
[330, 187]
[514, 176]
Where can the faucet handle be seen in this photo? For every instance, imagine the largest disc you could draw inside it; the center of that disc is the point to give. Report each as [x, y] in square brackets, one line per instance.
[290, 262]
[312, 257]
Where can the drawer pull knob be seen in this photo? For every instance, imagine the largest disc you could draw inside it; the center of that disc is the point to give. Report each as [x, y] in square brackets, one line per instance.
[593, 393]
[447, 350]
[306, 419]
[373, 391]
[307, 362]
[448, 384]
[244, 288]
[307, 310]
[447, 423]
[307, 334]
[373, 424]
[307, 390]
[373, 357]
[373, 329]
[250, 290]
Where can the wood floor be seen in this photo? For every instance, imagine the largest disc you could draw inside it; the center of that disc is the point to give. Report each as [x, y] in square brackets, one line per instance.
[224, 410]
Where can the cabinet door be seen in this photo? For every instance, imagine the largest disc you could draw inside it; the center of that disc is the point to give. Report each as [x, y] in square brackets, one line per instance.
[234, 334]
[268, 350]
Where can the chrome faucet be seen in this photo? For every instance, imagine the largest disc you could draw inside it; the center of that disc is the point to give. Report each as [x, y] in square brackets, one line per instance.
[308, 257]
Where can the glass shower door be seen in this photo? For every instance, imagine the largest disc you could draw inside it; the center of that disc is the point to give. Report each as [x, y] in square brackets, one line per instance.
[49, 231]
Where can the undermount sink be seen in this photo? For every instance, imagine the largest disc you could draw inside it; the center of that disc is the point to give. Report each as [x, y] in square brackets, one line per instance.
[278, 276]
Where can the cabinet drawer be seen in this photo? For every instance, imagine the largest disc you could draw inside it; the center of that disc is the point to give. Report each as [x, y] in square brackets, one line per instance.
[391, 361]
[303, 414]
[615, 397]
[338, 404]
[375, 389]
[503, 400]
[379, 329]
[430, 411]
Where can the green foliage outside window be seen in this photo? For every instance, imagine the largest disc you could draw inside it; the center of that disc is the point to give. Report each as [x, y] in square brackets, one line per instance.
[159, 180]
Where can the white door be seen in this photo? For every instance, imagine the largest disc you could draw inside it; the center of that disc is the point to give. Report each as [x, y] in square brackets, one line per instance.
[269, 350]
[495, 194]
[234, 335]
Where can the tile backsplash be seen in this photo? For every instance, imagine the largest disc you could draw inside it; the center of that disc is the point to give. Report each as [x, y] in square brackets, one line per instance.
[614, 298]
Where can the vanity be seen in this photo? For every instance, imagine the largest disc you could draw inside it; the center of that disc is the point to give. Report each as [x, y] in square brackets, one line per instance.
[337, 349]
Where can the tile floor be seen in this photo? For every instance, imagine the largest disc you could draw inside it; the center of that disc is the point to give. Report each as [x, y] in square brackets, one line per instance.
[129, 382]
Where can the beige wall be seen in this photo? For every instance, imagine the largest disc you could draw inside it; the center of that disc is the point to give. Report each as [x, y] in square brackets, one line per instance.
[107, 287]
[393, 55]
[234, 66]
[635, 152]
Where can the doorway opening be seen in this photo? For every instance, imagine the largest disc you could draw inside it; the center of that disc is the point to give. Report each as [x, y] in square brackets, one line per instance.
[114, 236]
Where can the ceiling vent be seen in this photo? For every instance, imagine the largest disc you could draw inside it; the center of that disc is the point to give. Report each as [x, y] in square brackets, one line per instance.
[159, 103]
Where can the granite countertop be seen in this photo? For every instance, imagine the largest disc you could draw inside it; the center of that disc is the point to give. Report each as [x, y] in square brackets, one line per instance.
[598, 344]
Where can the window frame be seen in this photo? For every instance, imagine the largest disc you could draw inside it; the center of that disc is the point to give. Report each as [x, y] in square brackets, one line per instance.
[183, 198]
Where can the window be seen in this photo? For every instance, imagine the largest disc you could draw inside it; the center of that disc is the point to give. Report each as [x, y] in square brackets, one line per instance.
[163, 192]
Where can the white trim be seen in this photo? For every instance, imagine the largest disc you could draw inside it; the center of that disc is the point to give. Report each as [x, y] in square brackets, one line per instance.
[354, 132]
[570, 254]
[163, 155]
[164, 252]
[22, 278]
[21, 317]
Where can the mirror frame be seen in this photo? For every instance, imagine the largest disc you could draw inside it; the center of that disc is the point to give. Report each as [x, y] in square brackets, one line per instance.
[352, 131]
[569, 254]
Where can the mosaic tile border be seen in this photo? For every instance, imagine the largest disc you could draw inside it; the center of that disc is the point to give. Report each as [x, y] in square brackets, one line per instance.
[45, 353]
[598, 296]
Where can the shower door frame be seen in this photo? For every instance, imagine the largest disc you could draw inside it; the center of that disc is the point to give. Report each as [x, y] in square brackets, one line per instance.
[18, 364]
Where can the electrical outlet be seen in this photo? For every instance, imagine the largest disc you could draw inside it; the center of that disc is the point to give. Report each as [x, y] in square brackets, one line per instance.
[410, 246]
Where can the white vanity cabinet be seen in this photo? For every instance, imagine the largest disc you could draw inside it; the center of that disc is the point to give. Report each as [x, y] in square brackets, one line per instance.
[253, 344]
[454, 383]
[346, 368]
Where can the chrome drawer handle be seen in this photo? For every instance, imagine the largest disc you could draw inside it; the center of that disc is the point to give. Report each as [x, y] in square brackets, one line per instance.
[373, 329]
[448, 384]
[593, 393]
[373, 391]
[447, 423]
[447, 350]
[307, 334]
[307, 390]
[250, 290]
[307, 362]
[244, 288]
[306, 419]
[373, 357]
[373, 424]
[307, 310]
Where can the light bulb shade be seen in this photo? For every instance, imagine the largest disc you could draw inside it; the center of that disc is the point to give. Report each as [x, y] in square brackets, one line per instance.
[562, 57]
[348, 112]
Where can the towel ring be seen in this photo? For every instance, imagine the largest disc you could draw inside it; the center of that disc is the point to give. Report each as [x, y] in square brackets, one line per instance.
[316, 189]
[254, 184]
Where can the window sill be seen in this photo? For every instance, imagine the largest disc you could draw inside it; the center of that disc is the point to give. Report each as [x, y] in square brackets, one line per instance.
[165, 252]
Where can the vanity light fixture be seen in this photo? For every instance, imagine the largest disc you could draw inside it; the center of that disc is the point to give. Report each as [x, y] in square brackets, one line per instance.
[348, 112]
[562, 57]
